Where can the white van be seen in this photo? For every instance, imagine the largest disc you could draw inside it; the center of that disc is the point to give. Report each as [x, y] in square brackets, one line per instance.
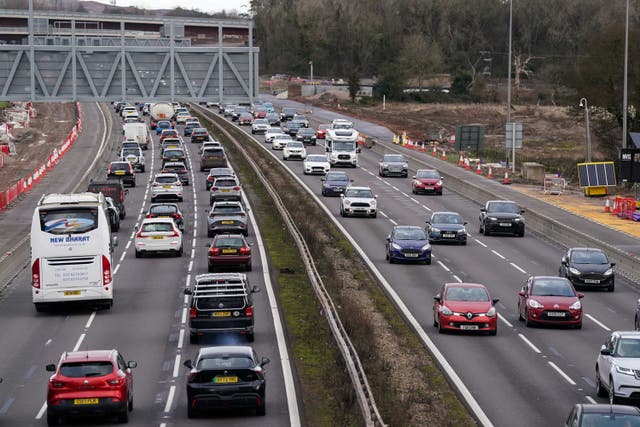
[342, 146]
[71, 251]
[137, 132]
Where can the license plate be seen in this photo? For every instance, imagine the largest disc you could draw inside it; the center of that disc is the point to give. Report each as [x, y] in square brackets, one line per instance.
[119, 172]
[448, 235]
[225, 191]
[92, 401]
[157, 237]
[411, 255]
[229, 251]
[428, 187]
[71, 293]
[469, 327]
[221, 313]
[594, 281]
[555, 314]
[166, 186]
[225, 380]
[505, 224]
[226, 222]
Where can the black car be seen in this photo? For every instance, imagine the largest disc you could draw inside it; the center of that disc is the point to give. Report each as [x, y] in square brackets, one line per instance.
[588, 268]
[501, 216]
[217, 172]
[178, 168]
[114, 215]
[393, 164]
[199, 135]
[221, 303]
[446, 227]
[224, 377]
[273, 119]
[602, 415]
[113, 188]
[287, 114]
[334, 183]
[166, 210]
[122, 170]
[292, 128]
[173, 155]
[306, 135]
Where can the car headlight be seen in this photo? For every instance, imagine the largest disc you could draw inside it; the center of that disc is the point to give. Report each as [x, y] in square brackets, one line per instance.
[623, 370]
[405, 166]
[445, 310]
[535, 304]
[462, 231]
[425, 247]
[439, 183]
[491, 312]
[347, 202]
[434, 229]
[574, 271]
[575, 306]
[609, 272]
[517, 219]
[492, 218]
[396, 246]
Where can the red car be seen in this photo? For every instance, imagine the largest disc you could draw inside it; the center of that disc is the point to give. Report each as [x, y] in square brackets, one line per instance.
[245, 119]
[260, 112]
[550, 300]
[169, 133]
[427, 181]
[92, 382]
[321, 132]
[229, 250]
[465, 307]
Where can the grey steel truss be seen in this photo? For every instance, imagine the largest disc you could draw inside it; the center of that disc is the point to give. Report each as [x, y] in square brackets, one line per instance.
[81, 67]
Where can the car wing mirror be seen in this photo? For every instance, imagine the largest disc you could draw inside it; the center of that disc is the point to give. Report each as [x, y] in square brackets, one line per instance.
[521, 211]
[188, 291]
[605, 351]
[465, 223]
[264, 361]
[323, 179]
[495, 301]
[188, 364]
[413, 177]
[358, 150]
[442, 178]
[342, 196]
[483, 209]
[132, 364]
[613, 264]
[437, 298]
[255, 289]
[375, 197]
[580, 295]
[50, 368]
[388, 238]
[428, 222]
[126, 192]
[522, 293]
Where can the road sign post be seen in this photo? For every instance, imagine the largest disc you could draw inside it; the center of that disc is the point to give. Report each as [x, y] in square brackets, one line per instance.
[513, 140]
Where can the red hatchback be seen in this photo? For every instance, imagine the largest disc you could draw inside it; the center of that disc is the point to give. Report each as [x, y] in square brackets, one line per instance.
[465, 307]
[229, 250]
[90, 383]
[321, 132]
[550, 300]
[427, 181]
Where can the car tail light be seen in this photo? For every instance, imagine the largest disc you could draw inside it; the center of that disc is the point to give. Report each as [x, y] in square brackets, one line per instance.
[175, 233]
[151, 215]
[192, 313]
[214, 189]
[209, 178]
[155, 184]
[139, 234]
[58, 384]
[116, 382]
[248, 311]
[245, 251]
[35, 274]
[109, 170]
[106, 271]
[214, 251]
[236, 188]
[121, 195]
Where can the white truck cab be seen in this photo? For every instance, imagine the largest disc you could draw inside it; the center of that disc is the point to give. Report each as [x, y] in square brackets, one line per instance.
[342, 145]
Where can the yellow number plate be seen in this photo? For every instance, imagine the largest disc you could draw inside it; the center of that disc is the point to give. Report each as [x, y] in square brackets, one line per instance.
[229, 251]
[225, 191]
[221, 313]
[157, 237]
[225, 380]
[72, 293]
[166, 186]
[92, 401]
[226, 222]
[119, 172]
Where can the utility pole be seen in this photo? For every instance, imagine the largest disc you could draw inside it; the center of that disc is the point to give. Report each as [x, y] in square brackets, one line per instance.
[509, 76]
[624, 95]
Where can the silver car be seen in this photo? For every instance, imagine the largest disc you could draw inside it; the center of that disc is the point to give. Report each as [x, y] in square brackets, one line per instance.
[217, 173]
[166, 186]
[393, 164]
[259, 126]
[225, 188]
[134, 156]
[227, 217]
[271, 133]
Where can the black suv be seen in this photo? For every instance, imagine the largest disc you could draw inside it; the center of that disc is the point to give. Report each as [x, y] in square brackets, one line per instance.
[501, 216]
[122, 170]
[588, 268]
[226, 377]
[287, 114]
[179, 169]
[113, 188]
[220, 303]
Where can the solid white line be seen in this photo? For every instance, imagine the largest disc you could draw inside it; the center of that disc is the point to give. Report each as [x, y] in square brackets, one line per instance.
[497, 254]
[480, 243]
[501, 317]
[529, 343]
[79, 342]
[176, 364]
[518, 268]
[457, 278]
[443, 266]
[172, 391]
[115, 270]
[392, 222]
[597, 322]
[90, 321]
[408, 196]
[41, 411]
[181, 339]
[562, 374]
[183, 320]
[590, 399]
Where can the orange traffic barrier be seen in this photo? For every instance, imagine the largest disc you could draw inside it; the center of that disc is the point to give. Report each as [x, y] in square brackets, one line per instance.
[478, 169]
[627, 207]
[506, 181]
[490, 174]
[607, 206]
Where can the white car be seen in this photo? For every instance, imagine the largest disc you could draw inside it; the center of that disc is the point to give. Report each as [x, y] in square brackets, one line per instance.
[358, 201]
[618, 366]
[259, 126]
[208, 144]
[294, 149]
[280, 141]
[182, 117]
[158, 235]
[271, 133]
[134, 156]
[166, 186]
[316, 164]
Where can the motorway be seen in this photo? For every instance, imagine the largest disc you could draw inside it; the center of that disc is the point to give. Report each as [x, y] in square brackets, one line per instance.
[148, 319]
[523, 376]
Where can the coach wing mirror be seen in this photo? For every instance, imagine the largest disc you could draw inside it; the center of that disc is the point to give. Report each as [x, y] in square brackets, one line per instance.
[483, 209]
[521, 211]
[264, 361]
[388, 238]
[188, 291]
[358, 150]
[114, 240]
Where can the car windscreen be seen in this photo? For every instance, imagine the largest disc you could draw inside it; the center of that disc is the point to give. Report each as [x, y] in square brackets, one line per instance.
[588, 257]
[466, 294]
[130, 151]
[225, 363]
[343, 145]
[628, 347]
[166, 179]
[219, 303]
[410, 234]
[317, 158]
[364, 194]
[503, 207]
[75, 220]
[220, 210]
[86, 369]
[338, 178]
[163, 124]
[393, 158]
[228, 242]
[212, 152]
[307, 132]
[552, 287]
[225, 183]
[428, 174]
[156, 226]
[446, 219]
[609, 419]
[294, 145]
[120, 166]
[174, 169]
[163, 209]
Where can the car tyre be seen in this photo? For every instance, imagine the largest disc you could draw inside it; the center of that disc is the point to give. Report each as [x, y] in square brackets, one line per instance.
[612, 396]
[375, 215]
[521, 234]
[179, 252]
[261, 411]
[52, 419]
[428, 262]
[39, 307]
[138, 254]
[133, 184]
[579, 326]
[494, 332]
[191, 412]
[142, 169]
[435, 321]
[209, 233]
[611, 288]
[248, 267]
[341, 212]
[600, 390]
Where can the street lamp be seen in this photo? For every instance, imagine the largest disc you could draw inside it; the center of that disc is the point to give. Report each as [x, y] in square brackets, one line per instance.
[509, 82]
[624, 96]
[585, 105]
[311, 72]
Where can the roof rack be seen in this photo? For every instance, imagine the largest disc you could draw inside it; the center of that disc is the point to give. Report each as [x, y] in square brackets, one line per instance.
[220, 285]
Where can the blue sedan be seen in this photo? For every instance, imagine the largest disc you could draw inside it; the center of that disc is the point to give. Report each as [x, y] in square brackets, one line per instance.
[334, 183]
[408, 243]
[162, 125]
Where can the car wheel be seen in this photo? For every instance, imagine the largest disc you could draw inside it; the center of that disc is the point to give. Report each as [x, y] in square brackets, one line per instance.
[435, 321]
[342, 212]
[386, 255]
[142, 169]
[428, 262]
[138, 254]
[521, 234]
[201, 169]
[600, 390]
[611, 287]
[612, 395]
[391, 260]
[39, 308]
[209, 233]
[440, 328]
[413, 190]
[52, 419]
[116, 227]
[520, 318]
[133, 184]
[191, 412]
[193, 339]
[464, 243]
[480, 230]
[578, 326]
[179, 252]
[635, 323]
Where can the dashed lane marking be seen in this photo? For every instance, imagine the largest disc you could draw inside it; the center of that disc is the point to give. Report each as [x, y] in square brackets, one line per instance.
[530, 344]
[561, 372]
[597, 322]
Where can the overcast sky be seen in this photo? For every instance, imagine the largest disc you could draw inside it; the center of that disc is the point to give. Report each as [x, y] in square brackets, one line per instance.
[204, 5]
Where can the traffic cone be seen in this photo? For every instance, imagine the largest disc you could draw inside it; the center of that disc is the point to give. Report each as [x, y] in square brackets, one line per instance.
[467, 166]
[506, 181]
[461, 161]
[434, 153]
[422, 149]
[478, 169]
[490, 174]
[607, 206]
[444, 155]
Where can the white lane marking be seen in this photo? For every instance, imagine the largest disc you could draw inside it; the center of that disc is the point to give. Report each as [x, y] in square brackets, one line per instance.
[444, 266]
[115, 270]
[590, 399]
[497, 254]
[392, 222]
[408, 196]
[561, 372]
[597, 322]
[506, 322]
[457, 278]
[79, 342]
[195, 216]
[49, 341]
[176, 366]
[41, 411]
[183, 320]
[122, 257]
[194, 232]
[186, 299]
[172, 392]
[394, 187]
[193, 251]
[383, 214]
[90, 321]
[426, 207]
[529, 343]
[181, 339]
[190, 266]
[128, 245]
[188, 280]
[193, 243]
[517, 268]
[417, 202]
[480, 243]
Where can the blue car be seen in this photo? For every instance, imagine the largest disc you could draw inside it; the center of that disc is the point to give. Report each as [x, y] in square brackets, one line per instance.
[334, 183]
[447, 227]
[408, 243]
[162, 125]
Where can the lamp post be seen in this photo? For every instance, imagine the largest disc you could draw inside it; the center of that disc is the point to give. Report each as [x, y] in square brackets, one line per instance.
[509, 78]
[624, 95]
[585, 105]
[311, 71]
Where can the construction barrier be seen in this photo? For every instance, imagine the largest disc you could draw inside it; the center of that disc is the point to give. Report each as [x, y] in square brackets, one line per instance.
[627, 207]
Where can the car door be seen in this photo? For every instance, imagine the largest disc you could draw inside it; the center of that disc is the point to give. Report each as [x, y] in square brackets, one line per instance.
[436, 304]
[122, 365]
[522, 299]
[604, 364]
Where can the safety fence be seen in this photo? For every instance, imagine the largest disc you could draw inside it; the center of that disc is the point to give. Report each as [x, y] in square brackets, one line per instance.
[25, 184]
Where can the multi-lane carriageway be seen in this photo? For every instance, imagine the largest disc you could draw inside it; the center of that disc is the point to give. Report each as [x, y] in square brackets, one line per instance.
[147, 322]
[521, 377]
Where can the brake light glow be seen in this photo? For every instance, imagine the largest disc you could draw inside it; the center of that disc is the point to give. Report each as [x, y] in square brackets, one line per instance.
[236, 188]
[106, 272]
[139, 234]
[35, 274]
[214, 251]
[192, 313]
[175, 233]
[248, 311]
[214, 189]
[245, 251]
